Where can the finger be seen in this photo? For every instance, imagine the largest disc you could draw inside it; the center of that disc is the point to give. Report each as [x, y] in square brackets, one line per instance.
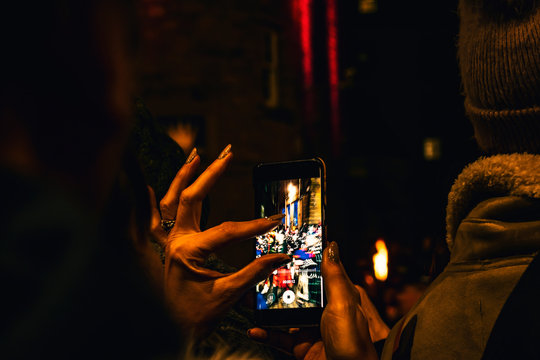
[336, 282]
[254, 272]
[231, 232]
[155, 222]
[344, 327]
[169, 203]
[194, 194]
[200, 188]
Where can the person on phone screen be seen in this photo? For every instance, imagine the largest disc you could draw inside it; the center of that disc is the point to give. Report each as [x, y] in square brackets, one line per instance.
[484, 303]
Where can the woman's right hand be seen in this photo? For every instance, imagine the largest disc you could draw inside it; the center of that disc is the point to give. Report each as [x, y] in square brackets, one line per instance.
[197, 296]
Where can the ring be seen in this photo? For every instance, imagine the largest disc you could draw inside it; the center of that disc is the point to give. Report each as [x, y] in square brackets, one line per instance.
[167, 225]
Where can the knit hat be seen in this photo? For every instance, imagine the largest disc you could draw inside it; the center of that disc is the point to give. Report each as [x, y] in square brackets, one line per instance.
[499, 57]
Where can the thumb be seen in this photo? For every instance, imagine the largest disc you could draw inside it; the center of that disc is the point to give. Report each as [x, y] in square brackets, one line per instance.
[256, 271]
[344, 328]
[337, 285]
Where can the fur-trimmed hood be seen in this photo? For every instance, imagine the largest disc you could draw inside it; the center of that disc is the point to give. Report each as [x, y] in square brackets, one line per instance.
[499, 175]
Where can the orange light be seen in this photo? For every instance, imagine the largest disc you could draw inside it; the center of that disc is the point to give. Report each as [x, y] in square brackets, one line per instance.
[369, 280]
[380, 261]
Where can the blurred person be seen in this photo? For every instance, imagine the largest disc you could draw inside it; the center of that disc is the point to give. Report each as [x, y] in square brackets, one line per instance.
[492, 212]
[64, 108]
[484, 303]
[73, 286]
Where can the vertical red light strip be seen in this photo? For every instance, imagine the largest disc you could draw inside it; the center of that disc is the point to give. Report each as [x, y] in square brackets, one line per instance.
[333, 74]
[302, 16]
[304, 12]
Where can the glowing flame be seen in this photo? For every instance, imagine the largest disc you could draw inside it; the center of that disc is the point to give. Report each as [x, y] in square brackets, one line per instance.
[380, 261]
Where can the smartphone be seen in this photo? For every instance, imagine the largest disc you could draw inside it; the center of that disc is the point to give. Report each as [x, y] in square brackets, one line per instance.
[293, 295]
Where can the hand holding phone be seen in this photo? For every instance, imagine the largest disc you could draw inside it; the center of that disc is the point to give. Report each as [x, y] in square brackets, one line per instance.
[292, 296]
[198, 297]
[349, 326]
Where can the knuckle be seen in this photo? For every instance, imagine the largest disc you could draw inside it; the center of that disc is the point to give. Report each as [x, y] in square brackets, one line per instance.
[186, 197]
[166, 207]
[228, 229]
[164, 203]
[230, 291]
[176, 250]
[344, 306]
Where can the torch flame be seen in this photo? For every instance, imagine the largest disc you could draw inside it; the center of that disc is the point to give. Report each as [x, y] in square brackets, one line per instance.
[380, 261]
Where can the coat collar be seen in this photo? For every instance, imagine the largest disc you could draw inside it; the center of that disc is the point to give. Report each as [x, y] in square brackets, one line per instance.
[499, 175]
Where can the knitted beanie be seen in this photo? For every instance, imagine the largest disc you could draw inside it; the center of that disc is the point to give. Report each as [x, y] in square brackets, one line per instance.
[499, 58]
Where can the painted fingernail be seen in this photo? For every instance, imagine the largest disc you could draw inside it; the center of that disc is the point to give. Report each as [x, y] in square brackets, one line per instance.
[225, 152]
[276, 217]
[191, 156]
[333, 252]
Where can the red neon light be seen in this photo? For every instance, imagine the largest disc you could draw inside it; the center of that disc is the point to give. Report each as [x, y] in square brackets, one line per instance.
[333, 74]
[304, 12]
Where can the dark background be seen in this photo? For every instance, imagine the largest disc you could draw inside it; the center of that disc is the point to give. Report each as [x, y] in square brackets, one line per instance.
[204, 68]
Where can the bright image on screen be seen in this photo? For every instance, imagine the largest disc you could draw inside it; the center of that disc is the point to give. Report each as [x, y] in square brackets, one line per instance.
[297, 284]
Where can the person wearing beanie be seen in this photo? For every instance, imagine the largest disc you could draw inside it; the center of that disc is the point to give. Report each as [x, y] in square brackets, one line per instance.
[493, 211]
[484, 304]
[499, 52]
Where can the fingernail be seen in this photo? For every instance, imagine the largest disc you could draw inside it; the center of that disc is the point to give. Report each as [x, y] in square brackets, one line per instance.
[191, 156]
[276, 217]
[333, 252]
[225, 152]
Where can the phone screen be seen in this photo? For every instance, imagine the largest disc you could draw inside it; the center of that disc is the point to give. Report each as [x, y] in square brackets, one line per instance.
[297, 284]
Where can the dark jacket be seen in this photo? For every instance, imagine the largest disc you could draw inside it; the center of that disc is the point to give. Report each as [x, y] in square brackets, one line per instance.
[493, 233]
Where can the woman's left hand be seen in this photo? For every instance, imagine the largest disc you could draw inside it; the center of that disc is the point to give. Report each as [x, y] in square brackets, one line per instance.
[198, 297]
[350, 323]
